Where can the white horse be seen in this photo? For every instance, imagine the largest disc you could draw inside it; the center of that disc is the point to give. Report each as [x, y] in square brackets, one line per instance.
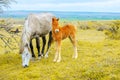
[36, 25]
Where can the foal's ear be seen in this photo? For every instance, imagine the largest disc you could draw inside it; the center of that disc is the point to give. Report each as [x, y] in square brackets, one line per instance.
[52, 19]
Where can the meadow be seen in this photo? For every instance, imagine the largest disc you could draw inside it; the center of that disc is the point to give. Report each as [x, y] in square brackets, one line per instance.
[98, 55]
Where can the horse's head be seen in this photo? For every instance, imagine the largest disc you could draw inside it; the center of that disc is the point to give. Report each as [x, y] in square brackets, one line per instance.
[25, 50]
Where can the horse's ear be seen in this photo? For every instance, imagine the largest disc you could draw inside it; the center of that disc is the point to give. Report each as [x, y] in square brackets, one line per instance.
[57, 19]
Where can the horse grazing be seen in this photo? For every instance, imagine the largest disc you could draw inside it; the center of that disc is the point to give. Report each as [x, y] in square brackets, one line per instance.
[35, 26]
[60, 33]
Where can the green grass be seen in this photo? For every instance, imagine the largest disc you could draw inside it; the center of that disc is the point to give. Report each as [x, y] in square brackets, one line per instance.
[99, 59]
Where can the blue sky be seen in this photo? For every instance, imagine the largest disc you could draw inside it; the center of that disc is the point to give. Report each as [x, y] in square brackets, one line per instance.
[68, 5]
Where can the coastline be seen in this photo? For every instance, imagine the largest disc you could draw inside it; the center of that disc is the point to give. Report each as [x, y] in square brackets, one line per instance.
[65, 15]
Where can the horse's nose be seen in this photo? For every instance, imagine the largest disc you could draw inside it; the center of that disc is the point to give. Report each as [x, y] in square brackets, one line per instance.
[25, 66]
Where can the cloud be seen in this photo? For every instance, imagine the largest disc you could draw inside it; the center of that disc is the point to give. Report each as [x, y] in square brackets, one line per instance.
[58, 1]
[73, 5]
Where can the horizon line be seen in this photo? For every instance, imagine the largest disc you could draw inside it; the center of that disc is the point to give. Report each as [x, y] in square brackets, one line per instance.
[66, 11]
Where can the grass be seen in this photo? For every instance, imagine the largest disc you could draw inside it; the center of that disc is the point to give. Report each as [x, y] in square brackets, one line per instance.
[99, 59]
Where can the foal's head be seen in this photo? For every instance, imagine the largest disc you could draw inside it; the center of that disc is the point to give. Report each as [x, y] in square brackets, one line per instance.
[55, 22]
[55, 25]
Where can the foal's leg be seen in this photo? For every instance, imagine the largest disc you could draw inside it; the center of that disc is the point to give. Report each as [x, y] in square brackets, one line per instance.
[44, 43]
[31, 47]
[56, 54]
[49, 44]
[59, 51]
[57, 57]
[73, 40]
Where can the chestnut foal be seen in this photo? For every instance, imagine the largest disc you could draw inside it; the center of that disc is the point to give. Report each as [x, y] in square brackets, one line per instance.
[60, 33]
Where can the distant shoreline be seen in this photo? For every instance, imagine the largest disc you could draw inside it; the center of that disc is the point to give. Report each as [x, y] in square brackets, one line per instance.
[61, 19]
[56, 11]
[80, 16]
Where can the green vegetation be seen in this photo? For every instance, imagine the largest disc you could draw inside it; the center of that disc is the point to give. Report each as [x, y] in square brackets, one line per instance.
[114, 31]
[99, 58]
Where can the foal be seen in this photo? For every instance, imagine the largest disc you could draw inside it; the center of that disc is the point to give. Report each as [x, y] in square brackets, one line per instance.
[60, 33]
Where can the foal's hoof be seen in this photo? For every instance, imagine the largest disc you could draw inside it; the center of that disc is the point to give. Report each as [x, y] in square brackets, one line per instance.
[54, 60]
[74, 57]
[58, 61]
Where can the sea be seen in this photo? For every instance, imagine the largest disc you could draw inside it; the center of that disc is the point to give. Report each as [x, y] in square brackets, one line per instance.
[69, 15]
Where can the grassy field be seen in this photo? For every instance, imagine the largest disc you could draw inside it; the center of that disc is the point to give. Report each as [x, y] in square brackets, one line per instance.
[99, 59]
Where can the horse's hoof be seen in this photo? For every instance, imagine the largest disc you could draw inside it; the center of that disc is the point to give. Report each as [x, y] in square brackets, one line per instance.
[39, 57]
[46, 56]
[42, 55]
[33, 58]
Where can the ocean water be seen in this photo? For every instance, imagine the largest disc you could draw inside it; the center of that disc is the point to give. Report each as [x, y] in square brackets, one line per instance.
[65, 15]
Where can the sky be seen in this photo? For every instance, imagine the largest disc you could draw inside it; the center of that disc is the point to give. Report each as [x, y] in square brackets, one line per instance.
[68, 5]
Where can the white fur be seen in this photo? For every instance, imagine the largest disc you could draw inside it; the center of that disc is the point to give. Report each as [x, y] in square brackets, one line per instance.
[35, 25]
[26, 57]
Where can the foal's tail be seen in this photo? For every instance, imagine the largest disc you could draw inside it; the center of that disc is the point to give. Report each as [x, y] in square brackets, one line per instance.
[75, 27]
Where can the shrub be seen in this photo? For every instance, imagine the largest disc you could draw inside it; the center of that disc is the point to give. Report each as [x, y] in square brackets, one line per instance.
[114, 31]
[83, 25]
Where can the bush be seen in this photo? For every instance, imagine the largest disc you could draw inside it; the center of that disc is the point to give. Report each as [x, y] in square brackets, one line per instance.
[114, 31]
[83, 25]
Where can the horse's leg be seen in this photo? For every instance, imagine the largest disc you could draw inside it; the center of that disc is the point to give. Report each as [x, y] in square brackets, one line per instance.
[73, 40]
[31, 47]
[44, 43]
[38, 46]
[49, 44]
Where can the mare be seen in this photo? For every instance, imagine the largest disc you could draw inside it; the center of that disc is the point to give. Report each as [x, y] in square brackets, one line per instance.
[35, 26]
[60, 33]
